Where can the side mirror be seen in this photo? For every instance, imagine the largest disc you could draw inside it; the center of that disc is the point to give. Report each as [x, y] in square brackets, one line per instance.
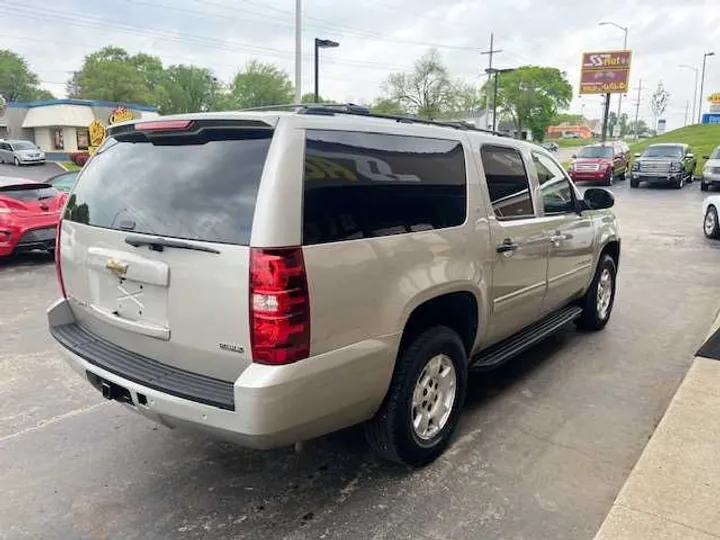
[637, 155]
[574, 156]
[690, 156]
[706, 157]
[598, 199]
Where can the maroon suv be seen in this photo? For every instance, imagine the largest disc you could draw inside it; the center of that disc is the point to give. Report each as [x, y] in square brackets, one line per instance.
[600, 163]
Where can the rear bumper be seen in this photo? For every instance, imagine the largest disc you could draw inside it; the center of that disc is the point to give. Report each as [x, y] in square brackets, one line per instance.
[267, 406]
[711, 179]
[15, 238]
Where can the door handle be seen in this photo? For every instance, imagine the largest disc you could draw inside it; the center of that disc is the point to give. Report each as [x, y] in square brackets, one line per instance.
[558, 238]
[507, 246]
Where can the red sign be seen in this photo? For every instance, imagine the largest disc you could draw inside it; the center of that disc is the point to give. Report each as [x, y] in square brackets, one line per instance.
[605, 72]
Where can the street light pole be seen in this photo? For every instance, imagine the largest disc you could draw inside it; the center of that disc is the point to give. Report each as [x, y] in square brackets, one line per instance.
[321, 44]
[298, 51]
[625, 36]
[702, 83]
[695, 89]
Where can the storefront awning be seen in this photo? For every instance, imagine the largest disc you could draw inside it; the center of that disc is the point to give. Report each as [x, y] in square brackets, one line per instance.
[59, 115]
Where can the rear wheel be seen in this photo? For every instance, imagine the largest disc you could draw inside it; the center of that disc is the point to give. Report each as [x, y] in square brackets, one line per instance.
[711, 228]
[599, 299]
[703, 186]
[421, 409]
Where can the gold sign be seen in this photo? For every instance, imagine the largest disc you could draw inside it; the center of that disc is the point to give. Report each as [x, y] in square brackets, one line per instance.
[97, 133]
[121, 114]
[714, 98]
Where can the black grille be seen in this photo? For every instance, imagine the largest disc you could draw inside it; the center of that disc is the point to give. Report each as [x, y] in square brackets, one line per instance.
[38, 236]
[143, 370]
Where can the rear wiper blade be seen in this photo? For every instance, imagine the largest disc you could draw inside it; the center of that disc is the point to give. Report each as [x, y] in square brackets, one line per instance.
[159, 244]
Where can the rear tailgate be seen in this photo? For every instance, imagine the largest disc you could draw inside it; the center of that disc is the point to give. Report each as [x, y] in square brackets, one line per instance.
[154, 244]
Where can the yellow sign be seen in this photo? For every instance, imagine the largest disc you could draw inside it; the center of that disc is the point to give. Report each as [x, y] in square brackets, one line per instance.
[714, 98]
[121, 114]
[97, 133]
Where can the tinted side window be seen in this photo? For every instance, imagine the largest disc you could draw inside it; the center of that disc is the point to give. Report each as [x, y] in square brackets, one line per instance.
[557, 193]
[507, 182]
[364, 185]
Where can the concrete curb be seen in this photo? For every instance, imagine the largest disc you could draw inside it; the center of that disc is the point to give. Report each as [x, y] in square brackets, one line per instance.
[672, 491]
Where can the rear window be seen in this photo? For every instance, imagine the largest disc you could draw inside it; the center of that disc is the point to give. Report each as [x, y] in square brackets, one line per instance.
[29, 193]
[204, 191]
[365, 185]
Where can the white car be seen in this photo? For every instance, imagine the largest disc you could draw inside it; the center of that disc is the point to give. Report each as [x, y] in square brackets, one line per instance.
[711, 207]
[20, 153]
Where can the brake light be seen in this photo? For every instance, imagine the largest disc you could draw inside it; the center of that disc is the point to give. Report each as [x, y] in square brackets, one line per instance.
[279, 306]
[163, 125]
[58, 267]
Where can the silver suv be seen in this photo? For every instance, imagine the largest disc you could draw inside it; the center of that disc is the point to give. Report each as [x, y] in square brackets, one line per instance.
[275, 276]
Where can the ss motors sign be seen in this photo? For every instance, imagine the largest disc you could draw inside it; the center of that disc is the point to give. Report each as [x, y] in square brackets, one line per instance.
[605, 72]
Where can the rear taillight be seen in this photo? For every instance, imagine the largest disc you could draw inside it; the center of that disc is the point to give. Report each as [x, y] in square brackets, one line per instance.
[163, 125]
[58, 267]
[279, 306]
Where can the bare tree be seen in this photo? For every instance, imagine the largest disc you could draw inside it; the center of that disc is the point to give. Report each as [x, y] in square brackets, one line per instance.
[659, 102]
[427, 90]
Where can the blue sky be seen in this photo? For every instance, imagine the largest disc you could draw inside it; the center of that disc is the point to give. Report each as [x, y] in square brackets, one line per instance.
[377, 37]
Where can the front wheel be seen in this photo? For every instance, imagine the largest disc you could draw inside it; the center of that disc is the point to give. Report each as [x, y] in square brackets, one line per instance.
[634, 183]
[421, 409]
[680, 182]
[599, 299]
[711, 228]
[703, 186]
[17, 162]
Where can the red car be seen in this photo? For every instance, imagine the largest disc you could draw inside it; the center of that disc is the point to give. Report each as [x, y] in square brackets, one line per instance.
[29, 214]
[600, 163]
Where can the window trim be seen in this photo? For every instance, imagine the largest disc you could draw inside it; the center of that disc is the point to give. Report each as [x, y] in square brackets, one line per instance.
[531, 188]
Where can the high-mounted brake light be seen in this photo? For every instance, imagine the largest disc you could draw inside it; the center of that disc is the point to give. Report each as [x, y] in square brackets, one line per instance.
[279, 306]
[163, 125]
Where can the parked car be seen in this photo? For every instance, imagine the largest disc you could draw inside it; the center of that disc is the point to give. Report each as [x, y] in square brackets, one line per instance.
[29, 215]
[297, 273]
[667, 164]
[603, 162]
[20, 153]
[550, 146]
[711, 208]
[63, 182]
[711, 171]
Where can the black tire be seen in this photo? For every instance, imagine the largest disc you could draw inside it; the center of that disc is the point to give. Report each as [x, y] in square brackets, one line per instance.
[17, 162]
[703, 186]
[623, 176]
[634, 183]
[609, 180]
[591, 319]
[679, 183]
[390, 433]
[712, 215]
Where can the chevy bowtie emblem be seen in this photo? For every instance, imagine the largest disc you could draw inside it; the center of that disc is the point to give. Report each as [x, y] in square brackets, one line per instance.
[116, 268]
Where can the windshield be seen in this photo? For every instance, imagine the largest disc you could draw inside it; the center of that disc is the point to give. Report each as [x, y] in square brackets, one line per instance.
[595, 152]
[675, 152]
[716, 153]
[203, 190]
[24, 145]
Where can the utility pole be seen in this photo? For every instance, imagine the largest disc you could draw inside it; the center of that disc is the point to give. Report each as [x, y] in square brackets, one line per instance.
[298, 51]
[488, 92]
[702, 84]
[687, 109]
[637, 109]
[606, 113]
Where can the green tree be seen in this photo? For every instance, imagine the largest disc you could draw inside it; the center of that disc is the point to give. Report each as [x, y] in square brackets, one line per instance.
[531, 96]
[642, 128]
[309, 97]
[466, 97]
[41, 94]
[612, 122]
[387, 106]
[426, 91]
[17, 82]
[567, 118]
[185, 89]
[259, 84]
[114, 75]
[623, 121]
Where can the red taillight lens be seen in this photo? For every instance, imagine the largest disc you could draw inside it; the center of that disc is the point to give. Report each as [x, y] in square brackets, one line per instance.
[279, 306]
[58, 266]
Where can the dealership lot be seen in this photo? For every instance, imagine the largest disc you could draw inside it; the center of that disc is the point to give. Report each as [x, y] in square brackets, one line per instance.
[543, 448]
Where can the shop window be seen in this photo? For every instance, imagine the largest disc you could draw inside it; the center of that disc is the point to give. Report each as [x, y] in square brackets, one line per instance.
[83, 139]
[58, 141]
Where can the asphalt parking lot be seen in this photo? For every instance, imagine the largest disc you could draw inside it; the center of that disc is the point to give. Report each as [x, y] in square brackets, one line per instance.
[31, 172]
[543, 447]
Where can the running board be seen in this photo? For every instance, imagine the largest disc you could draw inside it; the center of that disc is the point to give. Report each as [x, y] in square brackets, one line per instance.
[523, 340]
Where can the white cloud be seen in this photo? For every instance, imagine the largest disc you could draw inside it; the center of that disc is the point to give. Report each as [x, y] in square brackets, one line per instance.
[377, 37]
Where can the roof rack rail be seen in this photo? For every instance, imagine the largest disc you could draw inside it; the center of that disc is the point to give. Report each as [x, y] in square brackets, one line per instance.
[361, 110]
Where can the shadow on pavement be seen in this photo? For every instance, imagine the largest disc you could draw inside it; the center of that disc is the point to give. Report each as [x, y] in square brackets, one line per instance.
[29, 259]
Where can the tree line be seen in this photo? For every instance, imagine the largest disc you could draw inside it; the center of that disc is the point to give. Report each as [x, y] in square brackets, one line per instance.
[528, 98]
